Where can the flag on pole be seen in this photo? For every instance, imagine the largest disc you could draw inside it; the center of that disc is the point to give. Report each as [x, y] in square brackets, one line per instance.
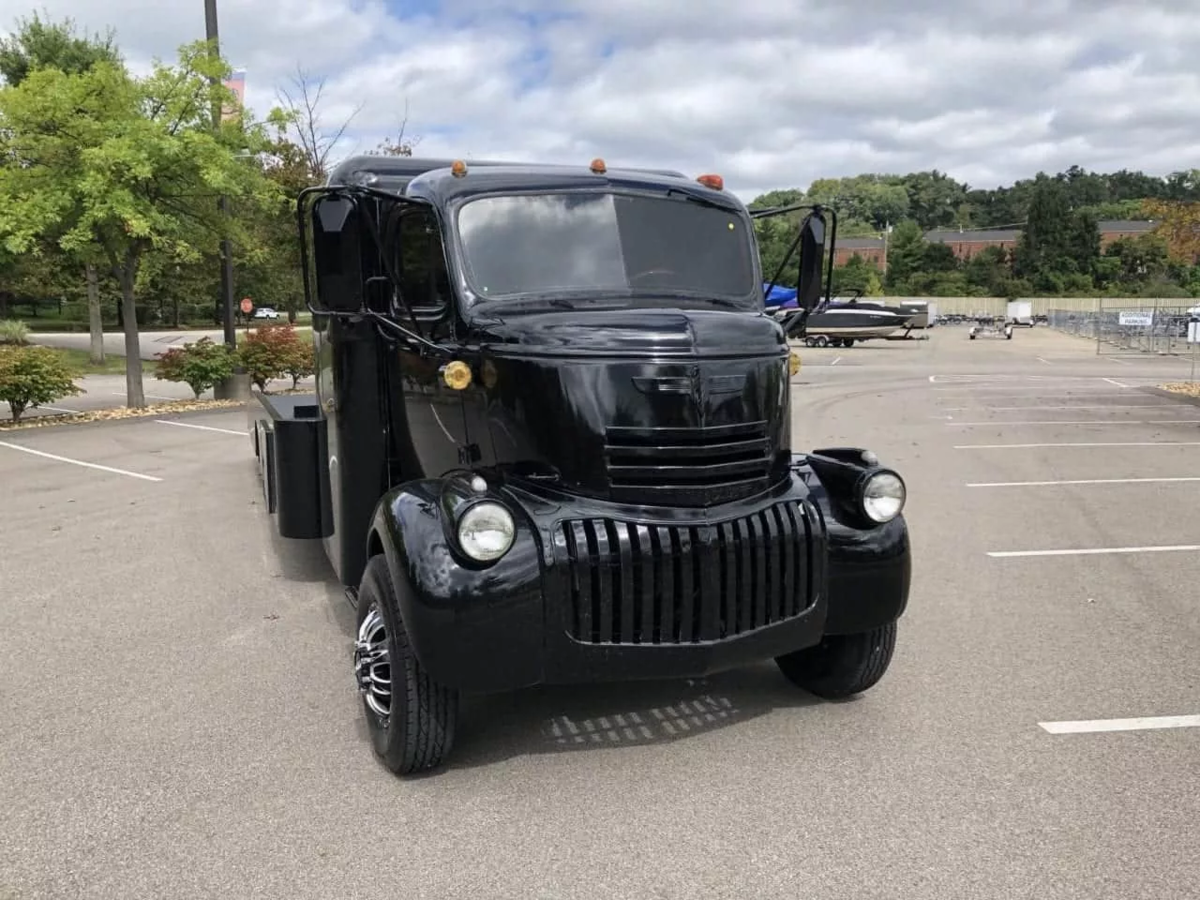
[236, 83]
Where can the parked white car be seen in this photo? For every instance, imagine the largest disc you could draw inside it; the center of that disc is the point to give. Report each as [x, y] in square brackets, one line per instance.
[265, 312]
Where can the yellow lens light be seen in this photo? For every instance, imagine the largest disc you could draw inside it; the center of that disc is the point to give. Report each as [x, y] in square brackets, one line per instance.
[793, 363]
[457, 375]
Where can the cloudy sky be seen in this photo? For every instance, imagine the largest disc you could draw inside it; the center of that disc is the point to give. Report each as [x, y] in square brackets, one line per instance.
[769, 93]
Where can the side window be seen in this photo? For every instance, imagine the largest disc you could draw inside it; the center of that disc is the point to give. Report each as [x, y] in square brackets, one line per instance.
[424, 278]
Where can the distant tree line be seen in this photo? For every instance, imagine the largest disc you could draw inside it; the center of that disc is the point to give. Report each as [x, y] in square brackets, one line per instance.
[1058, 252]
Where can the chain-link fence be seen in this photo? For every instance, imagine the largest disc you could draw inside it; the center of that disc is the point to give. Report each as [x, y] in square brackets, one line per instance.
[1130, 326]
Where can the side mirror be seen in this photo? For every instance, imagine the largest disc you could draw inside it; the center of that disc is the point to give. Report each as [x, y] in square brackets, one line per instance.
[337, 255]
[812, 252]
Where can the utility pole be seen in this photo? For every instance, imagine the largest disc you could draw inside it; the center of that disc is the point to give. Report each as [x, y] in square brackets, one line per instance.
[227, 307]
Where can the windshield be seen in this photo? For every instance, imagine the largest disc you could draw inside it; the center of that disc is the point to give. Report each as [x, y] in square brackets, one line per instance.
[604, 243]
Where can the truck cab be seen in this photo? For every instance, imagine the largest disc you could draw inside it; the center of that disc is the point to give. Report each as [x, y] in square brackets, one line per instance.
[551, 442]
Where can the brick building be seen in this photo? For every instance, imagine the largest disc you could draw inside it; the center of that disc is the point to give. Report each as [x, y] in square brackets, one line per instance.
[967, 242]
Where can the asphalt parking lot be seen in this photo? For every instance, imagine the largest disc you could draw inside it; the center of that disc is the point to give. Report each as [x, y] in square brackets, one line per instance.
[178, 716]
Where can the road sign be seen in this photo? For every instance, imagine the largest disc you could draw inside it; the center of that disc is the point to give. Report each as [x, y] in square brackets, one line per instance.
[247, 305]
[1194, 332]
[1136, 319]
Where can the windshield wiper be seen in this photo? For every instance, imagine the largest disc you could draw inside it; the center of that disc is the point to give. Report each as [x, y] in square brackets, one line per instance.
[699, 201]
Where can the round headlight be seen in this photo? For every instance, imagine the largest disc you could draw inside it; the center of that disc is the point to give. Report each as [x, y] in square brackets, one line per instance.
[486, 531]
[883, 497]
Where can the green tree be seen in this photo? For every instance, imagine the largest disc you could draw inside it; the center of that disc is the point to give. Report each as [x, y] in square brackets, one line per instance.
[38, 44]
[125, 166]
[906, 252]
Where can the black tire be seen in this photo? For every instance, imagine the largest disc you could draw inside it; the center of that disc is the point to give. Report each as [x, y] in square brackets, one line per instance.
[821, 340]
[841, 665]
[417, 733]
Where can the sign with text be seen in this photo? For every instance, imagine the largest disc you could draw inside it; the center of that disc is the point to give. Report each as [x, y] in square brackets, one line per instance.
[1194, 332]
[1136, 319]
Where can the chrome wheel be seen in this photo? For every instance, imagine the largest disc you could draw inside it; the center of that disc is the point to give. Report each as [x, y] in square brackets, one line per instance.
[372, 664]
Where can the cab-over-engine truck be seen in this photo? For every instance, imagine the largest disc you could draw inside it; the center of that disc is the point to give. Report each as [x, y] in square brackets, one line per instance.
[551, 442]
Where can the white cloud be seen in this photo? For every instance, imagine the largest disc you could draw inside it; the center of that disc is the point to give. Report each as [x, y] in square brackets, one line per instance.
[770, 93]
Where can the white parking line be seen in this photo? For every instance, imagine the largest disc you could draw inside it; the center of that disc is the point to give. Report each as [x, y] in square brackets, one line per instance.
[1039, 359]
[1078, 422]
[78, 462]
[201, 427]
[995, 484]
[836, 361]
[1093, 551]
[1095, 390]
[1141, 723]
[1102, 406]
[1117, 383]
[1079, 444]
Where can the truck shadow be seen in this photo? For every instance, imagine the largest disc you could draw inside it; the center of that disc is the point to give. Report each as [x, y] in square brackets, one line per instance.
[494, 728]
[577, 718]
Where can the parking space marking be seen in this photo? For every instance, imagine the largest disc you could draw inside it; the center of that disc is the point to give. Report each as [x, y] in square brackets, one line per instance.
[1141, 723]
[1101, 406]
[201, 427]
[1093, 551]
[1039, 359]
[836, 361]
[1079, 444]
[78, 462]
[1117, 383]
[995, 484]
[1106, 422]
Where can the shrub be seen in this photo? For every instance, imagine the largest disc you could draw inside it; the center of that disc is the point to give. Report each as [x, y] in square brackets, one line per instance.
[301, 361]
[14, 332]
[274, 351]
[33, 376]
[200, 365]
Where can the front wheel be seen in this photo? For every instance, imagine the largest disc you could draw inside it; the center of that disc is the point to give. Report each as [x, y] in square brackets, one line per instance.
[411, 718]
[842, 664]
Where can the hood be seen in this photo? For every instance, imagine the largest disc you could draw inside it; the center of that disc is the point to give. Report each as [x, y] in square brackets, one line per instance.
[635, 331]
[662, 407]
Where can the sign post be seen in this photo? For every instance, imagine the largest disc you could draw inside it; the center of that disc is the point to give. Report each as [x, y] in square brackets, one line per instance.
[1193, 338]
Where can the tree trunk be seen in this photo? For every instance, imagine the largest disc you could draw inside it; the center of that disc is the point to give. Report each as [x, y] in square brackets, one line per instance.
[95, 318]
[135, 396]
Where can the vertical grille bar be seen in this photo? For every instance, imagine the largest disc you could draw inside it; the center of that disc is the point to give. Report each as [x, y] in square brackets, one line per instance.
[787, 547]
[745, 573]
[687, 589]
[602, 602]
[643, 583]
[623, 606]
[729, 604]
[709, 582]
[663, 584]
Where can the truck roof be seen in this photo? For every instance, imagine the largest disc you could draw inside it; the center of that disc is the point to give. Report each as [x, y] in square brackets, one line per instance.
[432, 179]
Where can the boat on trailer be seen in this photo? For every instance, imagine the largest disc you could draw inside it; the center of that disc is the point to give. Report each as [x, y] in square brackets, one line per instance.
[841, 322]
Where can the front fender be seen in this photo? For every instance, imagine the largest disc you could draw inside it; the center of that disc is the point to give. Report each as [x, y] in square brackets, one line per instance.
[869, 568]
[472, 627]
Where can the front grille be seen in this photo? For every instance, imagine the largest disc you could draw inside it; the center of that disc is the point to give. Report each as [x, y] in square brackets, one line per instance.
[668, 584]
[687, 465]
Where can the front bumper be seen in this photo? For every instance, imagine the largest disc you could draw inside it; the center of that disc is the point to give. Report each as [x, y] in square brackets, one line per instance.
[595, 592]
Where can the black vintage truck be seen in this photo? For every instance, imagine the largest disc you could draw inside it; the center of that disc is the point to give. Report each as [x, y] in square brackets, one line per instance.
[551, 442]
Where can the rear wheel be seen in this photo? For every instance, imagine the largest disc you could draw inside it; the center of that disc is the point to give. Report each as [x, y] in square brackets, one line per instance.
[842, 664]
[411, 718]
[821, 340]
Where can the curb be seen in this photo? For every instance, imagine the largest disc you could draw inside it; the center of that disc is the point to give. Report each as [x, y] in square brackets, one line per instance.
[62, 423]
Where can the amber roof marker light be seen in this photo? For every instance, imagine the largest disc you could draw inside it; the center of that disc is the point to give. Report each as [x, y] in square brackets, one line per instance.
[458, 168]
[716, 182]
[598, 166]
